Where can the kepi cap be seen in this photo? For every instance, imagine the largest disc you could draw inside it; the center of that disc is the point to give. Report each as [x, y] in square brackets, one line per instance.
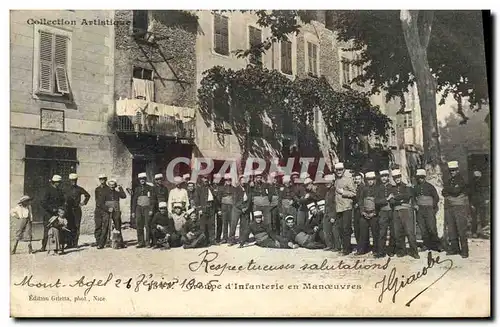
[142, 175]
[158, 176]
[73, 176]
[453, 164]
[384, 172]
[421, 172]
[311, 205]
[370, 175]
[24, 198]
[477, 173]
[396, 172]
[257, 213]
[339, 165]
[102, 176]
[162, 204]
[290, 217]
[56, 178]
[308, 181]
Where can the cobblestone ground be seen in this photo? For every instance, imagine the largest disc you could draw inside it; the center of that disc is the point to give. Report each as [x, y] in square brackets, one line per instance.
[464, 290]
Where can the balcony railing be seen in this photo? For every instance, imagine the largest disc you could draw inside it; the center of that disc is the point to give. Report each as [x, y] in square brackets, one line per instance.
[155, 125]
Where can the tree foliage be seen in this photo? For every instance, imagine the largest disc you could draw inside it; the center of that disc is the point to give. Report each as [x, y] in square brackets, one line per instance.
[257, 91]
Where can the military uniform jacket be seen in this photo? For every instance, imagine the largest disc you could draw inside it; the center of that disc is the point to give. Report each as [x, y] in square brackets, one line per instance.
[191, 226]
[364, 192]
[479, 192]
[192, 196]
[223, 191]
[382, 192]
[144, 190]
[74, 196]
[428, 190]
[238, 198]
[161, 194]
[255, 229]
[100, 193]
[115, 196]
[291, 233]
[455, 191]
[402, 195]
[52, 199]
[313, 197]
[201, 197]
[260, 189]
[316, 220]
[165, 221]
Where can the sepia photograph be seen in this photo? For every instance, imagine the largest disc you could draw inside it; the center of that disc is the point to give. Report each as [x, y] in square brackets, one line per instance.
[250, 163]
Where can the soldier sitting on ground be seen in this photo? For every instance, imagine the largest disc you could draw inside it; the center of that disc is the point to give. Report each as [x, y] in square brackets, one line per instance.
[301, 236]
[192, 234]
[164, 233]
[264, 236]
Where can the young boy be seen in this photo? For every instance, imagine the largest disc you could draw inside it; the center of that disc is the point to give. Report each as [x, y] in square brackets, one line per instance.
[192, 234]
[22, 212]
[58, 231]
[164, 233]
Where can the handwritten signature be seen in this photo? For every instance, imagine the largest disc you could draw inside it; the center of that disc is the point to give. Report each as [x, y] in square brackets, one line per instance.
[395, 284]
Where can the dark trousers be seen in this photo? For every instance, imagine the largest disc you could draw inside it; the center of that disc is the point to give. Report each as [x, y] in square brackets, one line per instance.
[275, 220]
[218, 224]
[104, 229]
[404, 227]
[207, 223]
[478, 216]
[227, 210]
[365, 225]
[243, 219]
[270, 243]
[356, 217]
[196, 242]
[98, 221]
[456, 219]
[343, 227]
[143, 220]
[159, 238]
[386, 227]
[328, 231]
[301, 218]
[426, 219]
[74, 221]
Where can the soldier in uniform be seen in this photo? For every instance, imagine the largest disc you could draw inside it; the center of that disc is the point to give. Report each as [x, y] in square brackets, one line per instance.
[178, 195]
[264, 236]
[52, 200]
[191, 193]
[74, 203]
[100, 208]
[205, 206]
[164, 233]
[143, 204]
[301, 235]
[225, 195]
[332, 236]
[356, 213]
[427, 200]
[455, 211]
[315, 220]
[192, 233]
[368, 212]
[241, 209]
[260, 197]
[185, 180]
[345, 192]
[479, 201]
[273, 198]
[160, 190]
[288, 201]
[306, 195]
[384, 190]
[215, 185]
[112, 202]
[404, 226]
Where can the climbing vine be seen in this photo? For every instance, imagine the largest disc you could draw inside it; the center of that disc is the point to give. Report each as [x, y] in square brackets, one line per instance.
[255, 91]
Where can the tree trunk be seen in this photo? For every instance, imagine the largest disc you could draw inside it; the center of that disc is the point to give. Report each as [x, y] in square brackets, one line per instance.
[417, 39]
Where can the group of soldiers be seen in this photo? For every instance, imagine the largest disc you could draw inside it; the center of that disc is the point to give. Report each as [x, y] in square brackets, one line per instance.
[286, 211]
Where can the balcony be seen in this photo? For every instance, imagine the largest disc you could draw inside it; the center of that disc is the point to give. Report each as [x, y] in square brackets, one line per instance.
[141, 117]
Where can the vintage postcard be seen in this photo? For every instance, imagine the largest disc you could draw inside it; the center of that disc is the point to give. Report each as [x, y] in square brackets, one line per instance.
[249, 163]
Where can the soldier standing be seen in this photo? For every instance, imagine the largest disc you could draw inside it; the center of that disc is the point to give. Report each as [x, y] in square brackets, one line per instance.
[356, 213]
[52, 200]
[112, 203]
[288, 201]
[384, 191]
[225, 195]
[427, 200]
[160, 190]
[100, 207]
[217, 207]
[479, 201]
[74, 205]
[205, 206]
[331, 233]
[368, 219]
[345, 192]
[455, 210]
[404, 226]
[273, 197]
[143, 204]
[241, 209]
[191, 193]
[178, 195]
[260, 193]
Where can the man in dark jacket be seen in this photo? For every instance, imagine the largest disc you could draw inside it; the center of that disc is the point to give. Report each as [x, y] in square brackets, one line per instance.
[205, 206]
[192, 234]
[164, 233]
[368, 220]
[288, 201]
[479, 202]
[160, 190]
[456, 211]
[427, 201]
[51, 201]
[301, 235]
[112, 202]
[264, 236]
[100, 208]
[356, 213]
[307, 194]
[404, 226]
[273, 198]
[260, 197]
[74, 202]
[241, 209]
[332, 236]
[225, 198]
[143, 204]
[385, 192]
[192, 195]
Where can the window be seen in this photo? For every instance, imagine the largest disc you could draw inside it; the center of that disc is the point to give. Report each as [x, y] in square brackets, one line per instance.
[255, 38]
[41, 163]
[286, 57]
[346, 73]
[52, 63]
[408, 120]
[312, 58]
[221, 35]
[140, 20]
[143, 73]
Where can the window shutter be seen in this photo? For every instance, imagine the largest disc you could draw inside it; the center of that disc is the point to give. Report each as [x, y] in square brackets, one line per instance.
[61, 61]
[46, 83]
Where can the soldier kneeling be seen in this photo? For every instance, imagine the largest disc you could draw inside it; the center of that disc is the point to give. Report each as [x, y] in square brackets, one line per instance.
[264, 236]
[192, 234]
[301, 236]
[164, 233]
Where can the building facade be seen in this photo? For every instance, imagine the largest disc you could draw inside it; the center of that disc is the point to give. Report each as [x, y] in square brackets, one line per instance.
[61, 100]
